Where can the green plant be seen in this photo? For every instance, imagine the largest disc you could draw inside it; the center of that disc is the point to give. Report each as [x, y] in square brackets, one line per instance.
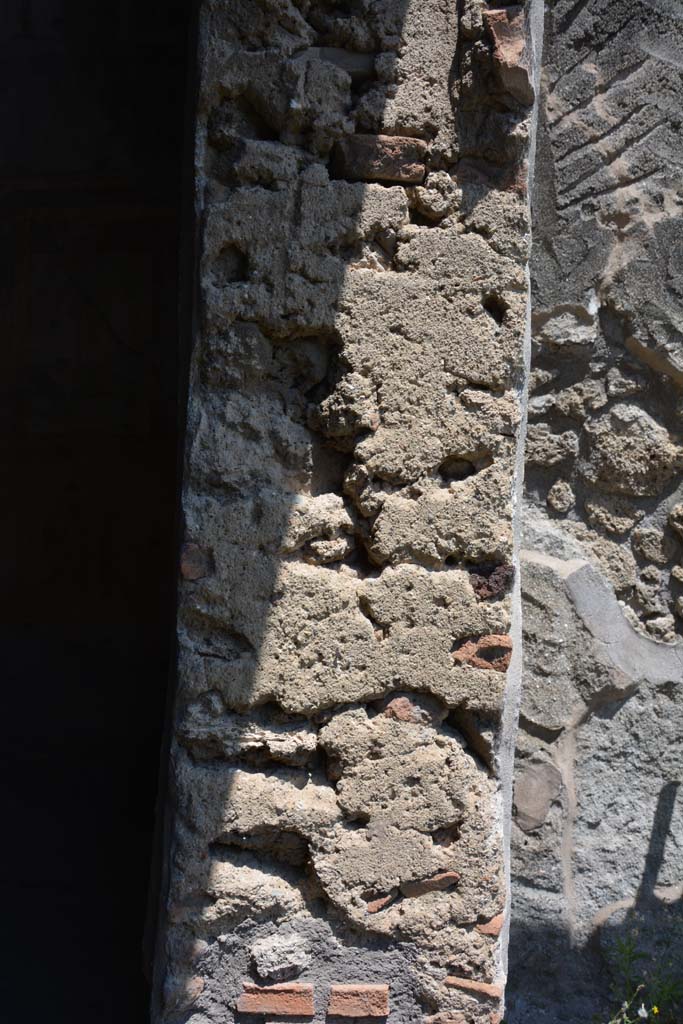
[625, 958]
[647, 976]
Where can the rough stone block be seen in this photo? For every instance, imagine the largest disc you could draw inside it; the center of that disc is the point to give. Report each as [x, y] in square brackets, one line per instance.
[359, 66]
[536, 786]
[380, 158]
[507, 28]
[339, 776]
[279, 957]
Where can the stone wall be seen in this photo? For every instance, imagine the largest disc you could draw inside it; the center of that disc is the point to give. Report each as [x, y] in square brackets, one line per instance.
[598, 834]
[339, 763]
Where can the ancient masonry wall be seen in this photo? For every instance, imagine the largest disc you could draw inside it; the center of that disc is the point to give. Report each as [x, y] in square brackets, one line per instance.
[336, 823]
[598, 827]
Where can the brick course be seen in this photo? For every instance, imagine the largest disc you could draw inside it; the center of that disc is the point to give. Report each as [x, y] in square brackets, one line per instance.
[359, 1001]
[286, 1000]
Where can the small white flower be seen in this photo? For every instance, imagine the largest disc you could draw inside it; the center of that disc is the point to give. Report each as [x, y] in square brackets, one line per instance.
[642, 1012]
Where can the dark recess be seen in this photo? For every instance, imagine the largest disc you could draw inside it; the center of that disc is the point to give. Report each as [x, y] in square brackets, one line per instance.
[93, 108]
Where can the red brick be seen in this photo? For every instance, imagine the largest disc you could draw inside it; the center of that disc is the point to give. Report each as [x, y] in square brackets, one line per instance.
[380, 158]
[492, 651]
[492, 927]
[286, 1000]
[195, 563]
[481, 987]
[507, 29]
[380, 902]
[437, 883]
[359, 1001]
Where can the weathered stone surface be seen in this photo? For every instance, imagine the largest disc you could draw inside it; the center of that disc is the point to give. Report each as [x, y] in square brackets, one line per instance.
[359, 66]
[280, 956]
[604, 406]
[537, 785]
[630, 453]
[437, 197]
[508, 30]
[194, 562]
[380, 158]
[341, 735]
[598, 834]
[592, 840]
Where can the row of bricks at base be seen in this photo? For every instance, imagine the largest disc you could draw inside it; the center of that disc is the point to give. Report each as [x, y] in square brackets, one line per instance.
[296, 1000]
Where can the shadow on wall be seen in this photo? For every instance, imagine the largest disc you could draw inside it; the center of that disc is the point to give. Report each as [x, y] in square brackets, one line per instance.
[637, 941]
[312, 393]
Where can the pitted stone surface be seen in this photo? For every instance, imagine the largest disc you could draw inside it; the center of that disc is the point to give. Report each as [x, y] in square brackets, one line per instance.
[605, 453]
[598, 833]
[353, 429]
[280, 956]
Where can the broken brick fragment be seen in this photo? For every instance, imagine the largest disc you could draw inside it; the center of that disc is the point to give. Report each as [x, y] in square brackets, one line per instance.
[506, 26]
[402, 709]
[285, 1000]
[437, 883]
[492, 991]
[359, 1001]
[492, 927]
[380, 902]
[380, 158]
[489, 652]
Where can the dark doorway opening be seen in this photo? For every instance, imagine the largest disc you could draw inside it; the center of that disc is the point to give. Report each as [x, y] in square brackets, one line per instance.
[93, 107]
